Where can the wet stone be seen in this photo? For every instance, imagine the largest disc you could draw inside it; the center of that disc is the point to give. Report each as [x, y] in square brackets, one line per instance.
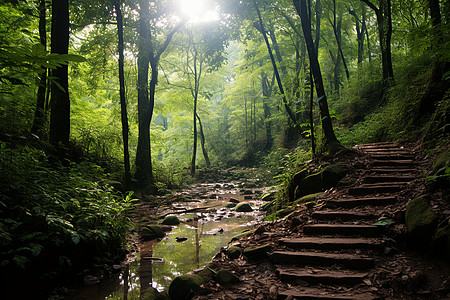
[243, 207]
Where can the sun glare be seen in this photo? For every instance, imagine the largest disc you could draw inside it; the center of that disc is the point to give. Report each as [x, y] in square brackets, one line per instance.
[199, 11]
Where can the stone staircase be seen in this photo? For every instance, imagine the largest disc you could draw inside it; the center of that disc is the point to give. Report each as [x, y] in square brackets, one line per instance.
[340, 246]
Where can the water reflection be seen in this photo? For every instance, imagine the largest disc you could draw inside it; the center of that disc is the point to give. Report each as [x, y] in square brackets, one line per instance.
[158, 263]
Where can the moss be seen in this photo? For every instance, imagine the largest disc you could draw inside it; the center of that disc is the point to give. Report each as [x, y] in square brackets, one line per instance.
[171, 220]
[153, 294]
[151, 232]
[234, 252]
[226, 277]
[241, 235]
[304, 199]
[441, 161]
[320, 181]
[420, 219]
[185, 286]
[229, 205]
[243, 207]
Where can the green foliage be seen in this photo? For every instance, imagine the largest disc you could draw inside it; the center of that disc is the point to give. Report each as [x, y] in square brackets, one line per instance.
[56, 213]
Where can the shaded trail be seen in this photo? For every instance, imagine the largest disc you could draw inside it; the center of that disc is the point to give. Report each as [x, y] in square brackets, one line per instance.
[343, 248]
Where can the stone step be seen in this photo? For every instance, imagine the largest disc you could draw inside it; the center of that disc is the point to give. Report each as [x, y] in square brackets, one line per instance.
[308, 293]
[369, 189]
[391, 156]
[388, 178]
[341, 215]
[393, 163]
[322, 259]
[354, 202]
[377, 145]
[392, 170]
[321, 276]
[319, 243]
[385, 150]
[342, 229]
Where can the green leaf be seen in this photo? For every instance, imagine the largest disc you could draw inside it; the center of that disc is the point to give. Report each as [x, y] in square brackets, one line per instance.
[384, 222]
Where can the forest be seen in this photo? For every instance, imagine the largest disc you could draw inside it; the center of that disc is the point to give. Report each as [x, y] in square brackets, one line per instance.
[108, 106]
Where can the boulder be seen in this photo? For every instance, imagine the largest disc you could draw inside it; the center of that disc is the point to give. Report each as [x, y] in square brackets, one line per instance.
[233, 200]
[153, 294]
[185, 286]
[305, 199]
[243, 207]
[441, 161]
[257, 253]
[268, 197]
[242, 234]
[229, 205]
[171, 220]
[420, 219]
[320, 181]
[225, 277]
[151, 232]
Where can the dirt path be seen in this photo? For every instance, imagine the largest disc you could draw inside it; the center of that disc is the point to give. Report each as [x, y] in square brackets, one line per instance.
[335, 250]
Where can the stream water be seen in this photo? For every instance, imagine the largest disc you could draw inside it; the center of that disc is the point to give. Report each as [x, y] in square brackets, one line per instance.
[158, 262]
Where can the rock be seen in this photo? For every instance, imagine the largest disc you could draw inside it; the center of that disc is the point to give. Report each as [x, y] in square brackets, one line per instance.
[185, 286]
[247, 192]
[234, 252]
[229, 205]
[441, 161]
[226, 277]
[171, 220]
[268, 206]
[248, 197]
[151, 232]
[153, 294]
[320, 181]
[180, 239]
[243, 207]
[420, 219]
[212, 196]
[234, 200]
[257, 253]
[268, 197]
[242, 234]
[305, 199]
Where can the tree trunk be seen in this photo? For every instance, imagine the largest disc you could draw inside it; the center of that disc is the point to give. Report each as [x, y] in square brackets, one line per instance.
[202, 142]
[60, 102]
[435, 12]
[384, 22]
[360, 28]
[331, 141]
[337, 35]
[144, 174]
[123, 104]
[318, 9]
[39, 113]
[275, 69]
[194, 148]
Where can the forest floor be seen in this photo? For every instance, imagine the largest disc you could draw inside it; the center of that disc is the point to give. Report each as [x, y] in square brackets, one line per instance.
[334, 251]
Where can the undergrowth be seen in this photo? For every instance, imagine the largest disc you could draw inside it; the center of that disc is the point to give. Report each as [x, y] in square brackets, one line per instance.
[56, 219]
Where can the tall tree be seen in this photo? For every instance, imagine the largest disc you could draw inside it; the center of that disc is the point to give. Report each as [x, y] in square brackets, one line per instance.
[331, 141]
[123, 103]
[149, 54]
[360, 26]
[384, 22]
[60, 102]
[39, 113]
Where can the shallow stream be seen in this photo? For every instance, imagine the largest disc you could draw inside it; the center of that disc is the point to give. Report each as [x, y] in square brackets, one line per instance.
[158, 262]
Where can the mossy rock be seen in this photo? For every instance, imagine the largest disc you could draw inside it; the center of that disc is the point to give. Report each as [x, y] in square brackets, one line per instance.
[229, 205]
[225, 277]
[331, 175]
[242, 234]
[320, 181]
[185, 286]
[243, 207]
[257, 253]
[420, 219]
[285, 211]
[151, 232]
[171, 220]
[346, 182]
[268, 206]
[441, 161]
[304, 199]
[234, 252]
[268, 197]
[153, 294]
